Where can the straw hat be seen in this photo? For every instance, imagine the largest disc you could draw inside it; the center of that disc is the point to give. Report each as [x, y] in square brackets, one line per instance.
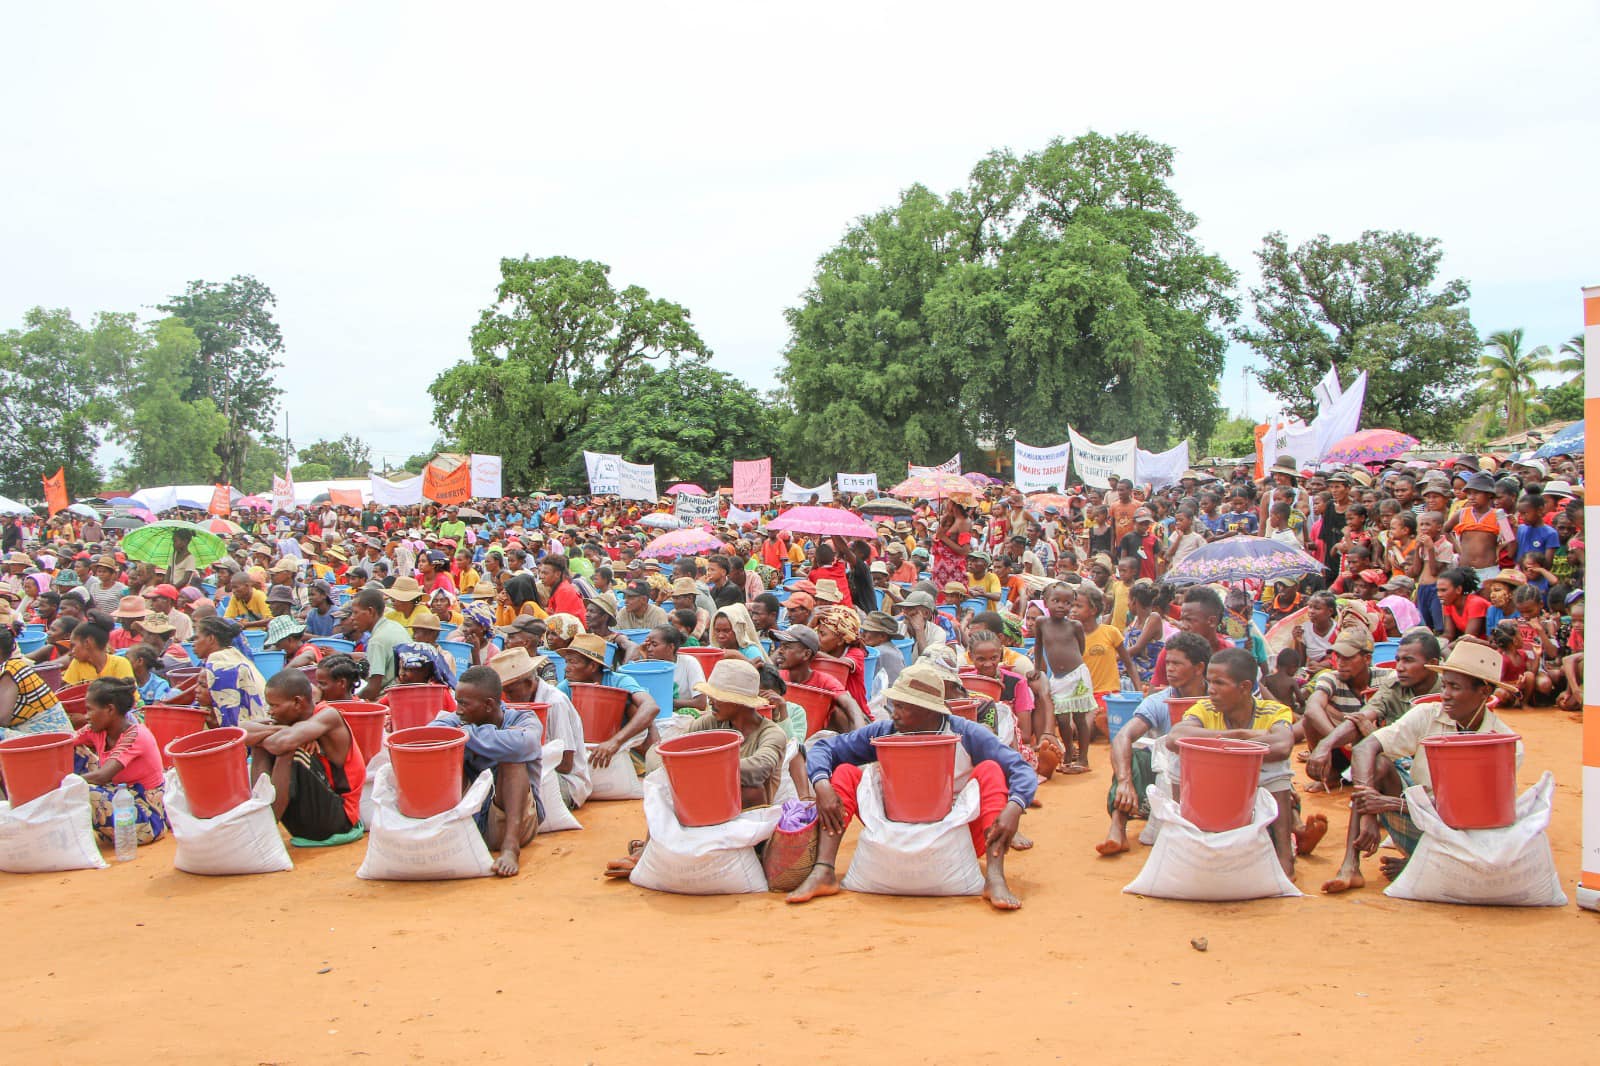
[1283, 464]
[589, 646]
[919, 686]
[606, 602]
[828, 591]
[160, 623]
[1474, 660]
[685, 586]
[513, 664]
[19, 559]
[734, 681]
[1512, 578]
[424, 619]
[881, 622]
[404, 589]
[1353, 641]
[130, 607]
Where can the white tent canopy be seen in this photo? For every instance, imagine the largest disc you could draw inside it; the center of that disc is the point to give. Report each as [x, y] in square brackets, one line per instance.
[10, 506]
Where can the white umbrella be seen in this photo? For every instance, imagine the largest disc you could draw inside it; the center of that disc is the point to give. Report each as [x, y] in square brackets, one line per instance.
[10, 506]
[83, 510]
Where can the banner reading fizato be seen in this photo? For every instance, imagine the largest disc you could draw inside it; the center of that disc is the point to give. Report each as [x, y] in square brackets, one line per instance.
[605, 473]
[636, 481]
[1100, 464]
[1038, 469]
[694, 509]
[857, 482]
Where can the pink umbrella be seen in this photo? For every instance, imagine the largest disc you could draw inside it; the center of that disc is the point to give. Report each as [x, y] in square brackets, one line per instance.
[252, 503]
[1370, 446]
[682, 542]
[687, 488]
[823, 522]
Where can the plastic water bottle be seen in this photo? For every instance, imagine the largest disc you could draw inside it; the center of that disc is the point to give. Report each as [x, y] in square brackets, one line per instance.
[126, 823]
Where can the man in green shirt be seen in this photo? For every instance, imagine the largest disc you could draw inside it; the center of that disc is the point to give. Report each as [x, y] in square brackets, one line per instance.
[383, 636]
[452, 528]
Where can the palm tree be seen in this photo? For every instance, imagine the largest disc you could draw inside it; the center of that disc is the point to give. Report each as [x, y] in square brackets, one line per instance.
[1571, 361]
[1508, 372]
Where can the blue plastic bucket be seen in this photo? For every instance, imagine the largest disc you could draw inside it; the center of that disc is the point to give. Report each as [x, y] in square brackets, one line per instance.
[656, 678]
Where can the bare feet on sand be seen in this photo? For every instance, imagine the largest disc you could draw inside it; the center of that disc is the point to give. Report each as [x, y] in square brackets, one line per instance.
[1075, 768]
[1344, 882]
[997, 892]
[1020, 843]
[820, 882]
[1391, 866]
[1110, 847]
[1311, 834]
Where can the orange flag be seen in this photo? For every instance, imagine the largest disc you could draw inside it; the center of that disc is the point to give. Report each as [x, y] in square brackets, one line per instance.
[221, 501]
[453, 487]
[55, 491]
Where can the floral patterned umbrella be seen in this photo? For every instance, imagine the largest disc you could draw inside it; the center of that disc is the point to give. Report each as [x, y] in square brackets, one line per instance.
[682, 542]
[1370, 446]
[823, 522]
[1243, 559]
[936, 487]
[1040, 500]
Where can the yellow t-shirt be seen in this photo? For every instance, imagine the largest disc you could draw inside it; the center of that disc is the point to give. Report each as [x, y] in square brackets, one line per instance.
[987, 583]
[1268, 714]
[1100, 654]
[254, 609]
[80, 671]
[395, 616]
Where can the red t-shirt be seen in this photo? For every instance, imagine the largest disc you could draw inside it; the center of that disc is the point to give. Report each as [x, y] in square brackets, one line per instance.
[836, 573]
[1474, 607]
[565, 600]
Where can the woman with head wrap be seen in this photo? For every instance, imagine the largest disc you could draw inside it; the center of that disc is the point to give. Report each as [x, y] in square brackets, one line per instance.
[560, 629]
[477, 629]
[839, 632]
[424, 664]
[733, 629]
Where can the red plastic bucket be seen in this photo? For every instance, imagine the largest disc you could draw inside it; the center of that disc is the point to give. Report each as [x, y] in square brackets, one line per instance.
[411, 706]
[600, 708]
[540, 709]
[34, 764]
[817, 702]
[185, 682]
[50, 672]
[366, 722]
[427, 763]
[838, 669]
[703, 770]
[981, 685]
[708, 658]
[213, 768]
[919, 774]
[75, 701]
[1178, 706]
[1218, 780]
[167, 723]
[1474, 778]
[967, 709]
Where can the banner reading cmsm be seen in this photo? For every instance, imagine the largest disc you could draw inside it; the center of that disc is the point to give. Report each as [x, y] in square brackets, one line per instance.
[1101, 464]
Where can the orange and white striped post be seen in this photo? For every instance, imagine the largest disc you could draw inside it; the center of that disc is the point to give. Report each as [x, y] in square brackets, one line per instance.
[1589, 886]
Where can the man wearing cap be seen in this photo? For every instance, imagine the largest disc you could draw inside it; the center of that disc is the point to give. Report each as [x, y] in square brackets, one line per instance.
[919, 612]
[163, 599]
[879, 630]
[519, 672]
[280, 601]
[1413, 679]
[1006, 784]
[287, 634]
[598, 615]
[1336, 695]
[1393, 759]
[793, 650]
[639, 611]
[586, 665]
[282, 575]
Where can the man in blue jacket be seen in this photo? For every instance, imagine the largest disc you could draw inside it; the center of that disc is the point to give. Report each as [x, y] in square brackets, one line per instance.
[916, 705]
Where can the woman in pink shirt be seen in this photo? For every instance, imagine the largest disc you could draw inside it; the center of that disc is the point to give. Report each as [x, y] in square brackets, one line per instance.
[116, 750]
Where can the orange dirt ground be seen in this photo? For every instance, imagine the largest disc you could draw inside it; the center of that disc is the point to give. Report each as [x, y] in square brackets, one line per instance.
[561, 966]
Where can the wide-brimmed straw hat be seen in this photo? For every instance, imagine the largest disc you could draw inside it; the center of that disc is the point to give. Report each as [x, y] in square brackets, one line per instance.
[919, 686]
[1474, 660]
[588, 646]
[734, 681]
[404, 589]
[513, 664]
[130, 607]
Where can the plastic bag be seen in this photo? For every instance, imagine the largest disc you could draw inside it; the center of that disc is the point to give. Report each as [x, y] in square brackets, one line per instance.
[556, 816]
[1189, 863]
[244, 840]
[369, 809]
[1510, 867]
[440, 848]
[708, 860]
[913, 859]
[617, 780]
[50, 832]
[791, 851]
[1165, 766]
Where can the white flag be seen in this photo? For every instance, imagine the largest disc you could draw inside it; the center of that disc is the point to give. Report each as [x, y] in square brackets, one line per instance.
[1163, 468]
[951, 465]
[406, 492]
[857, 482]
[1101, 464]
[636, 481]
[1327, 391]
[283, 492]
[486, 471]
[793, 493]
[1037, 469]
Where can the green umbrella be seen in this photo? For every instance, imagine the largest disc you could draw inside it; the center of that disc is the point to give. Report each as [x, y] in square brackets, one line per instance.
[153, 543]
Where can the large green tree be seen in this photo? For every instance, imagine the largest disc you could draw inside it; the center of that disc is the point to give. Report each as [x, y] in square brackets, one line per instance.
[1369, 304]
[236, 362]
[558, 340]
[689, 420]
[55, 402]
[169, 439]
[349, 456]
[1507, 371]
[1060, 287]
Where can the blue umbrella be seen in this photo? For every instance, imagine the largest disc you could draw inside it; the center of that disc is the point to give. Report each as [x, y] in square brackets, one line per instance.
[1568, 442]
[1242, 559]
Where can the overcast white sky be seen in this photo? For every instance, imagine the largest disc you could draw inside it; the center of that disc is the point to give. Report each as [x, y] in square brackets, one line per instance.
[372, 162]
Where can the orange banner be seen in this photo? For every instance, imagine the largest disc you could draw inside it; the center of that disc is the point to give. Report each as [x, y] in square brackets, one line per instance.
[221, 501]
[454, 487]
[55, 491]
[345, 497]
